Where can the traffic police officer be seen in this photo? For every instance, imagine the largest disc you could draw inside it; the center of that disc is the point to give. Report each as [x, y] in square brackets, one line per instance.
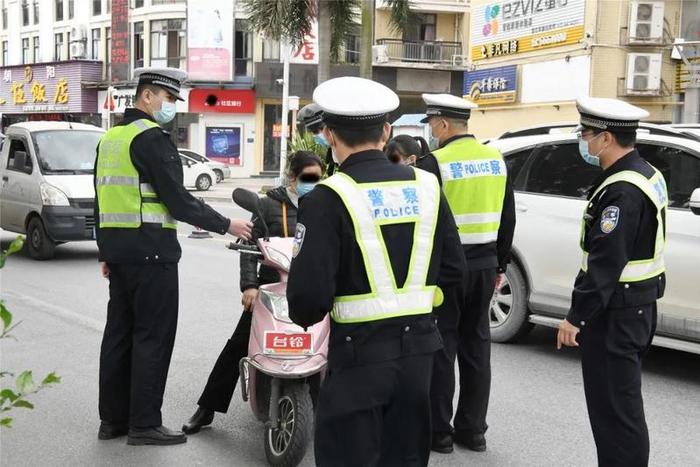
[379, 237]
[311, 116]
[622, 276]
[139, 196]
[474, 179]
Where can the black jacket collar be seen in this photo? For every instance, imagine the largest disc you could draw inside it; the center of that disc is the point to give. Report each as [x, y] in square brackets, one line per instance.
[362, 157]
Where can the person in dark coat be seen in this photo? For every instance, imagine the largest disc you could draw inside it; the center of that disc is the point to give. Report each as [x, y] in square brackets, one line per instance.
[279, 211]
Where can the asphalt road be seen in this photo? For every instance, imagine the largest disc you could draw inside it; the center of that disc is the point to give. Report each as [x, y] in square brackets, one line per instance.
[537, 414]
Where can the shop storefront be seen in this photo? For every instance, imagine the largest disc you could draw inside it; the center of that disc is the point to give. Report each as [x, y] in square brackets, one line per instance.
[224, 129]
[111, 104]
[58, 91]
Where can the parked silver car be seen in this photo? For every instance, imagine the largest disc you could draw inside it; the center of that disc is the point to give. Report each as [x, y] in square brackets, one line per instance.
[551, 182]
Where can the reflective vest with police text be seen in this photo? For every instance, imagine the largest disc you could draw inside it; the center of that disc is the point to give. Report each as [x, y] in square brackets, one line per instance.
[124, 202]
[474, 182]
[372, 205]
[655, 189]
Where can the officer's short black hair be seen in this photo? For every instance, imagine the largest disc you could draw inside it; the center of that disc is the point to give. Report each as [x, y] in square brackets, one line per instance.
[142, 87]
[357, 136]
[625, 139]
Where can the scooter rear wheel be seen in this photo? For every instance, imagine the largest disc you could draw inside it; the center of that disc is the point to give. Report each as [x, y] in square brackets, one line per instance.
[286, 445]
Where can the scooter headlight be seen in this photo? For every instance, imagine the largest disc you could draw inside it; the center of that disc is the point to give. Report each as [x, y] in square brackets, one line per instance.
[278, 257]
[277, 304]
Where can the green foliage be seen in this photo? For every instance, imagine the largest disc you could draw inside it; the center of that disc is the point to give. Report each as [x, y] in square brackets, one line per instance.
[24, 383]
[288, 20]
[401, 16]
[343, 15]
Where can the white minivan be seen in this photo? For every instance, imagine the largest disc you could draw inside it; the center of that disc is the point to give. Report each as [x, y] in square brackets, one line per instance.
[47, 183]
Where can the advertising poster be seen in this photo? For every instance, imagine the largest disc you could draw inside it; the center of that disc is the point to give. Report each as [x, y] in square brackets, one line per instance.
[519, 26]
[491, 86]
[224, 145]
[209, 39]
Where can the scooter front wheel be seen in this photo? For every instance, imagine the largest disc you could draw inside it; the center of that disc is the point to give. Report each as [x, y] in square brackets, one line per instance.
[286, 445]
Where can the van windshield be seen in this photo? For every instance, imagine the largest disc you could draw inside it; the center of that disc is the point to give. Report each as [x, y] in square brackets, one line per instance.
[66, 151]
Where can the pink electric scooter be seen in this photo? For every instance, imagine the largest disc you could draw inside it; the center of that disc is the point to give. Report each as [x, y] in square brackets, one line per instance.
[285, 363]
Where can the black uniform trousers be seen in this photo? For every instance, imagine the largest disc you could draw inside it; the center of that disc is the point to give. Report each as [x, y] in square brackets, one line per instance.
[138, 342]
[463, 321]
[360, 408]
[612, 346]
[224, 376]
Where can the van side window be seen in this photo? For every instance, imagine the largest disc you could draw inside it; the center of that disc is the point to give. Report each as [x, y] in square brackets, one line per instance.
[17, 145]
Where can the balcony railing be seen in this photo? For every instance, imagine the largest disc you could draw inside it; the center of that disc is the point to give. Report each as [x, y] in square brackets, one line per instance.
[421, 51]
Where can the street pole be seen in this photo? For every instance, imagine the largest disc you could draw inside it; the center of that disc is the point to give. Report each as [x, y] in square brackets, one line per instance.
[285, 109]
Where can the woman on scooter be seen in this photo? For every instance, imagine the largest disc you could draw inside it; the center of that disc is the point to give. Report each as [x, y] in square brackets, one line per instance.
[279, 210]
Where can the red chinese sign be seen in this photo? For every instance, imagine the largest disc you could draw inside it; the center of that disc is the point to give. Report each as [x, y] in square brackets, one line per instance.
[237, 101]
[308, 51]
[120, 40]
[281, 343]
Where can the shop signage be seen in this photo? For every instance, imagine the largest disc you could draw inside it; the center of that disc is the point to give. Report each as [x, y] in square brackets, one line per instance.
[123, 98]
[224, 145]
[54, 87]
[491, 86]
[519, 26]
[307, 52]
[238, 101]
[210, 39]
[119, 60]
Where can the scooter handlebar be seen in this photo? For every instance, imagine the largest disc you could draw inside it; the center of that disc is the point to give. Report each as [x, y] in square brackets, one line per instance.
[241, 247]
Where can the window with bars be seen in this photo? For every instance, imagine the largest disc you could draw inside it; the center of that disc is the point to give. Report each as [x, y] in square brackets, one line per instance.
[243, 54]
[25, 51]
[271, 50]
[168, 43]
[95, 44]
[58, 47]
[25, 12]
[37, 53]
[58, 9]
[36, 11]
[138, 44]
[71, 9]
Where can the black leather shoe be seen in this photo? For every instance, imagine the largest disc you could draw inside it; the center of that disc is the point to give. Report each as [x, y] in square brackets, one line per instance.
[112, 430]
[157, 435]
[202, 417]
[442, 443]
[473, 441]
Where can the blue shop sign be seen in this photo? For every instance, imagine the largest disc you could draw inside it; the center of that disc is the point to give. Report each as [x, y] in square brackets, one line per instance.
[491, 86]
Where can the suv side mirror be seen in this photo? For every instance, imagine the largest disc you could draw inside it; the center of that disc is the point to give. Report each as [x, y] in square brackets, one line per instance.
[695, 202]
[21, 162]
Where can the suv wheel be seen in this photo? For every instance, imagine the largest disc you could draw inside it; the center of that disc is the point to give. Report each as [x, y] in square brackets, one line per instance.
[203, 182]
[508, 311]
[39, 245]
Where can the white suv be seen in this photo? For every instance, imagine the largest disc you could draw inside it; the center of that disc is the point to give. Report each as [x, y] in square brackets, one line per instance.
[551, 182]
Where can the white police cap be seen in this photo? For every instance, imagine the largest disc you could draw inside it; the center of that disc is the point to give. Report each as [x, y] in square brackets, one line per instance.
[447, 105]
[169, 79]
[354, 102]
[609, 114]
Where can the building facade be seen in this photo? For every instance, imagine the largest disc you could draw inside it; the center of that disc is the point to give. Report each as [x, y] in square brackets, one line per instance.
[530, 60]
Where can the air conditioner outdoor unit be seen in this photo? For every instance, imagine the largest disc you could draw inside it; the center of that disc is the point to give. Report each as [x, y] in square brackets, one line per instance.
[78, 33]
[77, 50]
[643, 74]
[461, 60]
[646, 21]
[380, 54]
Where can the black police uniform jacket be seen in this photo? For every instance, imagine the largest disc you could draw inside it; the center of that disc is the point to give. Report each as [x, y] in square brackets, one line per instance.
[158, 162]
[272, 211]
[493, 254]
[329, 264]
[633, 237]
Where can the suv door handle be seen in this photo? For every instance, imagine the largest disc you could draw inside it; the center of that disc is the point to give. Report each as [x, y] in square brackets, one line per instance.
[5, 178]
[521, 207]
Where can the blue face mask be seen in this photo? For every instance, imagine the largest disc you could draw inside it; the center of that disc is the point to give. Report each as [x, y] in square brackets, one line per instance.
[587, 156]
[305, 187]
[321, 140]
[166, 113]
